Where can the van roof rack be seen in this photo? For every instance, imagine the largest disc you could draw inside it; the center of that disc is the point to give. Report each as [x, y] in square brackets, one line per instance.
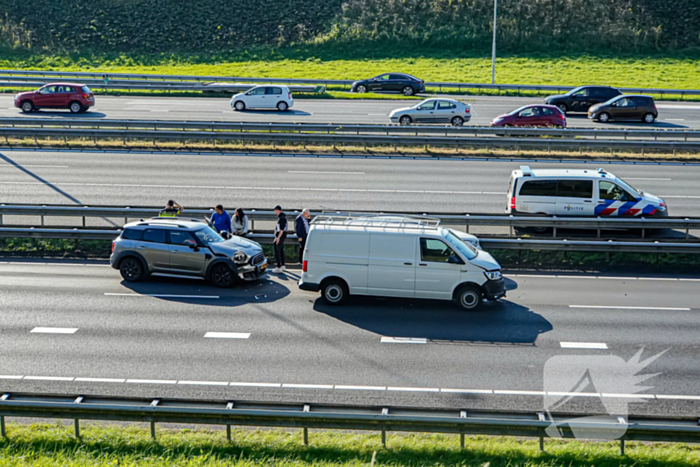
[395, 221]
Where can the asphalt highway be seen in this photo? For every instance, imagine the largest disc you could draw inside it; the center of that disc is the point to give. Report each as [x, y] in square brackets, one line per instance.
[144, 179]
[78, 329]
[673, 114]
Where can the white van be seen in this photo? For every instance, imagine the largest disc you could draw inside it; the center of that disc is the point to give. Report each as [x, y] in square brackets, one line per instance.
[580, 192]
[396, 256]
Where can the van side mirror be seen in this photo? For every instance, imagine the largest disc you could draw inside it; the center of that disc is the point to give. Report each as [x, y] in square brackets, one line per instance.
[454, 259]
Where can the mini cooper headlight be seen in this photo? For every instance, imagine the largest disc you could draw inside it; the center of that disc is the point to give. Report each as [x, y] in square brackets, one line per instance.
[239, 257]
[493, 275]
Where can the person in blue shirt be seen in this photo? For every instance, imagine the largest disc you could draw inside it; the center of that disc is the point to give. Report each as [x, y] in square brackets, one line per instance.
[221, 221]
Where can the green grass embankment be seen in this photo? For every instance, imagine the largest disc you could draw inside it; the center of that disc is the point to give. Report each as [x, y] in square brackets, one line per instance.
[43, 445]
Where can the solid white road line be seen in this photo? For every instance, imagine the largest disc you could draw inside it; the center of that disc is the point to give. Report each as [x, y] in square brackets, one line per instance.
[204, 383]
[544, 276]
[257, 385]
[403, 389]
[584, 345]
[227, 335]
[160, 295]
[361, 388]
[518, 393]
[466, 391]
[307, 386]
[629, 307]
[151, 381]
[48, 378]
[40, 330]
[10, 377]
[100, 380]
[404, 340]
[629, 396]
[664, 396]
[657, 179]
[323, 173]
[573, 394]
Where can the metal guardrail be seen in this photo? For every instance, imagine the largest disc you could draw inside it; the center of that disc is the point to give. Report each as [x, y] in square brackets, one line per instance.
[215, 87]
[467, 220]
[486, 243]
[477, 131]
[13, 74]
[348, 417]
[344, 138]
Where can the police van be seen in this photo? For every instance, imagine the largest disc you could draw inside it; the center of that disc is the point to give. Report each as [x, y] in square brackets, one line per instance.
[579, 192]
[396, 256]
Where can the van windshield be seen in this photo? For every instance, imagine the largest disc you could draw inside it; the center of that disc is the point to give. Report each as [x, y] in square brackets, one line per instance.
[466, 250]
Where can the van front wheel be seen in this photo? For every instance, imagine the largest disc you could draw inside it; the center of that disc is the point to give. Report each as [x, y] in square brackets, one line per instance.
[335, 292]
[468, 297]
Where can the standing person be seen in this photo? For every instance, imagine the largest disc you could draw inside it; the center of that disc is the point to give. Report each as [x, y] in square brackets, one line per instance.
[280, 237]
[301, 225]
[172, 209]
[240, 223]
[221, 221]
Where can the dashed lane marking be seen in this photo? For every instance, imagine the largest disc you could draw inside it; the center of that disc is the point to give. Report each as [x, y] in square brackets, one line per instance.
[151, 381]
[257, 385]
[360, 388]
[160, 295]
[40, 330]
[227, 335]
[204, 383]
[404, 340]
[323, 173]
[605, 307]
[584, 345]
[100, 380]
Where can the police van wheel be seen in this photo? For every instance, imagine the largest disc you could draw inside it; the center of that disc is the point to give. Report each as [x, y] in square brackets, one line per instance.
[468, 297]
[335, 292]
[222, 276]
[131, 269]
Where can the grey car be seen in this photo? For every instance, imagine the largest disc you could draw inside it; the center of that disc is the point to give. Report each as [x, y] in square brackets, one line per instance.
[437, 110]
[175, 247]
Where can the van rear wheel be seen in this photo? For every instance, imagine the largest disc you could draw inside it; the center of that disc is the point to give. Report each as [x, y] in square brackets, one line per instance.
[335, 291]
[468, 297]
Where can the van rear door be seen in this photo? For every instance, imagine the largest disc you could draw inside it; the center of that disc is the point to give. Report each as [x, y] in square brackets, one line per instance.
[537, 197]
[392, 265]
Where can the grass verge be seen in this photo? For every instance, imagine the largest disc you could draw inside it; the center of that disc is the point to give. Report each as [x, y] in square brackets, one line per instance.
[42, 445]
[349, 150]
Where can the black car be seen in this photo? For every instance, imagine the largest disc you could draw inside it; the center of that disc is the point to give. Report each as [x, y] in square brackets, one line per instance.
[583, 97]
[394, 82]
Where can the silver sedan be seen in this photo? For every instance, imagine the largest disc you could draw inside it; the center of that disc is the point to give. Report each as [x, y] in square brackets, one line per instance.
[437, 110]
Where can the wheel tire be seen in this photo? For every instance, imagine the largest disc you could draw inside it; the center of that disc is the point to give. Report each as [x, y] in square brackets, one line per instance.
[563, 108]
[222, 276]
[457, 121]
[335, 292]
[239, 105]
[405, 120]
[407, 91]
[27, 107]
[649, 118]
[361, 89]
[604, 117]
[282, 106]
[131, 269]
[468, 298]
[75, 107]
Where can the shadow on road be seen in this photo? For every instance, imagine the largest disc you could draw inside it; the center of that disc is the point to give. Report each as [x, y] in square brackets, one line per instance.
[498, 323]
[66, 114]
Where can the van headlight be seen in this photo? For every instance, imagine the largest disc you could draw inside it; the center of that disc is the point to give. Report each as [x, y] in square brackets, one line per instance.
[240, 258]
[493, 275]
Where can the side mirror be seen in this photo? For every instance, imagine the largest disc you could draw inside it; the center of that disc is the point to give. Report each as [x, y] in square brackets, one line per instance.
[193, 247]
[455, 260]
[614, 104]
[374, 79]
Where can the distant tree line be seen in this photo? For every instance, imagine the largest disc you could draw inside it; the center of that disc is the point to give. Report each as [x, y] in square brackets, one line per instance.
[217, 25]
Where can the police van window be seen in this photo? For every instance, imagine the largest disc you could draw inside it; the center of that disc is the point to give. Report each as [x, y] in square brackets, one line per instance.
[274, 90]
[154, 235]
[131, 234]
[435, 251]
[611, 191]
[539, 188]
[575, 188]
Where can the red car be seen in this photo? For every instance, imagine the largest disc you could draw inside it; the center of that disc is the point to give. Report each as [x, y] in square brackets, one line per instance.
[532, 115]
[76, 97]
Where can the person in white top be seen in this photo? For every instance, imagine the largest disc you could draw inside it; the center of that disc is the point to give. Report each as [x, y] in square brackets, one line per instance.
[239, 223]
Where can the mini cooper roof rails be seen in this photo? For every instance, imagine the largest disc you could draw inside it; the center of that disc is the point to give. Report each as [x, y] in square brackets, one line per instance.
[526, 170]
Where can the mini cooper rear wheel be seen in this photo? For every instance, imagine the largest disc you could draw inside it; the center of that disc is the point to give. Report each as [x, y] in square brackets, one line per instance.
[131, 269]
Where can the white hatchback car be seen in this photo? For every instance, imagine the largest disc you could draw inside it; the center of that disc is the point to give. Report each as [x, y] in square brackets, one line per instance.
[263, 97]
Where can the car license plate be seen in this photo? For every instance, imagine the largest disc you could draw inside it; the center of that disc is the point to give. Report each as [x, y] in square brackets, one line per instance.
[263, 267]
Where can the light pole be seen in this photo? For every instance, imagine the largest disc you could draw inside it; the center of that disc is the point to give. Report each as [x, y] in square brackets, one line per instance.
[493, 53]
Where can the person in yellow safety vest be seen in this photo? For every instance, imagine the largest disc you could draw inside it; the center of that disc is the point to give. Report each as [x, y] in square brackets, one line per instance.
[172, 209]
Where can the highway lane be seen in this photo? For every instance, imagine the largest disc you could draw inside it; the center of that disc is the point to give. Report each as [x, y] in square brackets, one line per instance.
[672, 114]
[128, 179]
[291, 346]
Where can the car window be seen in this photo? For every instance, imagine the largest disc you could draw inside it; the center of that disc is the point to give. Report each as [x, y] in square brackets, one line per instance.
[611, 191]
[258, 91]
[582, 93]
[644, 101]
[207, 236]
[446, 105]
[575, 188]
[274, 91]
[132, 234]
[435, 251]
[383, 77]
[462, 246]
[430, 105]
[546, 111]
[539, 188]
[530, 112]
[48, 90]
[154, 235]
[626, 102]
[179, 237]
[397, 77]
[85, 89]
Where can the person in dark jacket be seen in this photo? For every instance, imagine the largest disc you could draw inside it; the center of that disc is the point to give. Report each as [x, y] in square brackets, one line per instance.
[221, 220]
[172, 209]
[301, 225]
[280, 237]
